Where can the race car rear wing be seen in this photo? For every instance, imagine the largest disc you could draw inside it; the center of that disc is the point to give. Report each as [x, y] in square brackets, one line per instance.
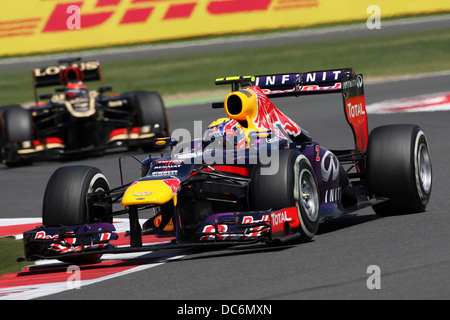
[343, 81]
[51, 75]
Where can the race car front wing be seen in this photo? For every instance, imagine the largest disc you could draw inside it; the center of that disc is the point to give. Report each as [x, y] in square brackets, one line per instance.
[218, 229]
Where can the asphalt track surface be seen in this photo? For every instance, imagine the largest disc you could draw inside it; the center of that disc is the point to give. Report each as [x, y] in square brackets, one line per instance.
[412, 251]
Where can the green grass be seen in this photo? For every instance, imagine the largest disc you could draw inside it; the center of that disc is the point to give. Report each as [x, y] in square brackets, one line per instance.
[377, 56]
[381, 56]
[10, 250]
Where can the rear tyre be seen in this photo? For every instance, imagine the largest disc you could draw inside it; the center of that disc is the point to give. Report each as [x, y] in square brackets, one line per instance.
[16, 126]
[294, 184]
[66, 201]
[399, 168]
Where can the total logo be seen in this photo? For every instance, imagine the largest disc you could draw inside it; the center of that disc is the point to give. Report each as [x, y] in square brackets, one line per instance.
[279, 218]
[355, 110]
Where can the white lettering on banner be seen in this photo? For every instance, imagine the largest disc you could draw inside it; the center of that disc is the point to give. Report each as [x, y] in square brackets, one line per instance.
[336, 74]
[270, 80]
[310, 77]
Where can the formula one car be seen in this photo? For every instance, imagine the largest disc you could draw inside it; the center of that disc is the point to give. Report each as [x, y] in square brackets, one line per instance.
[255, 176]
[78, 121]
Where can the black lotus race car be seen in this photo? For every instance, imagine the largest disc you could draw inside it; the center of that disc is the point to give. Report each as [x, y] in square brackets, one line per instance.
[254, 176]
[76, 120]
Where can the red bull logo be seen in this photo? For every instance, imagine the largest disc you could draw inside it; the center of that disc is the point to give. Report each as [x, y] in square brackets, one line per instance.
[269, 116]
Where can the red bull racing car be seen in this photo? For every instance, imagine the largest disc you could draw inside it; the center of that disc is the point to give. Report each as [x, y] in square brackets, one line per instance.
[254, 176]
[75, 120]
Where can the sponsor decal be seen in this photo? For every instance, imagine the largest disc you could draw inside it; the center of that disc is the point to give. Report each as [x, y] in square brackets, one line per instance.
[255, 231]
[141, 11]
[336, 87]
[251, 219]
[157, 221]
[221, 228]
[333, 195]
[174, 184]
[48, 25]
[55, 70]
[355, 110]
[357, 82]
[142, 194]
[329, 166]
[278, 220]
[166, 167]
[305, 82]
[43, 235]
[268, 116]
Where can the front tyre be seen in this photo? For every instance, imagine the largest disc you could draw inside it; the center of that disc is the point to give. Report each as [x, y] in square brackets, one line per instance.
[66, 197]
[307, 198]
[67, 202]
[294, 184]
[399, 168]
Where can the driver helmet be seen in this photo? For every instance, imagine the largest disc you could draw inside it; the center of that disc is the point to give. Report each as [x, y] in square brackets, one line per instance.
[228, 131]
[75, 90]
[72, 77]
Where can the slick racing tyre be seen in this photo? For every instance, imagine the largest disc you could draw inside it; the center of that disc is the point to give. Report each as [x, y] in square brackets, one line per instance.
[150, 111]
[66, 200]
[399, 168]
[16, 127]
[294, 184]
